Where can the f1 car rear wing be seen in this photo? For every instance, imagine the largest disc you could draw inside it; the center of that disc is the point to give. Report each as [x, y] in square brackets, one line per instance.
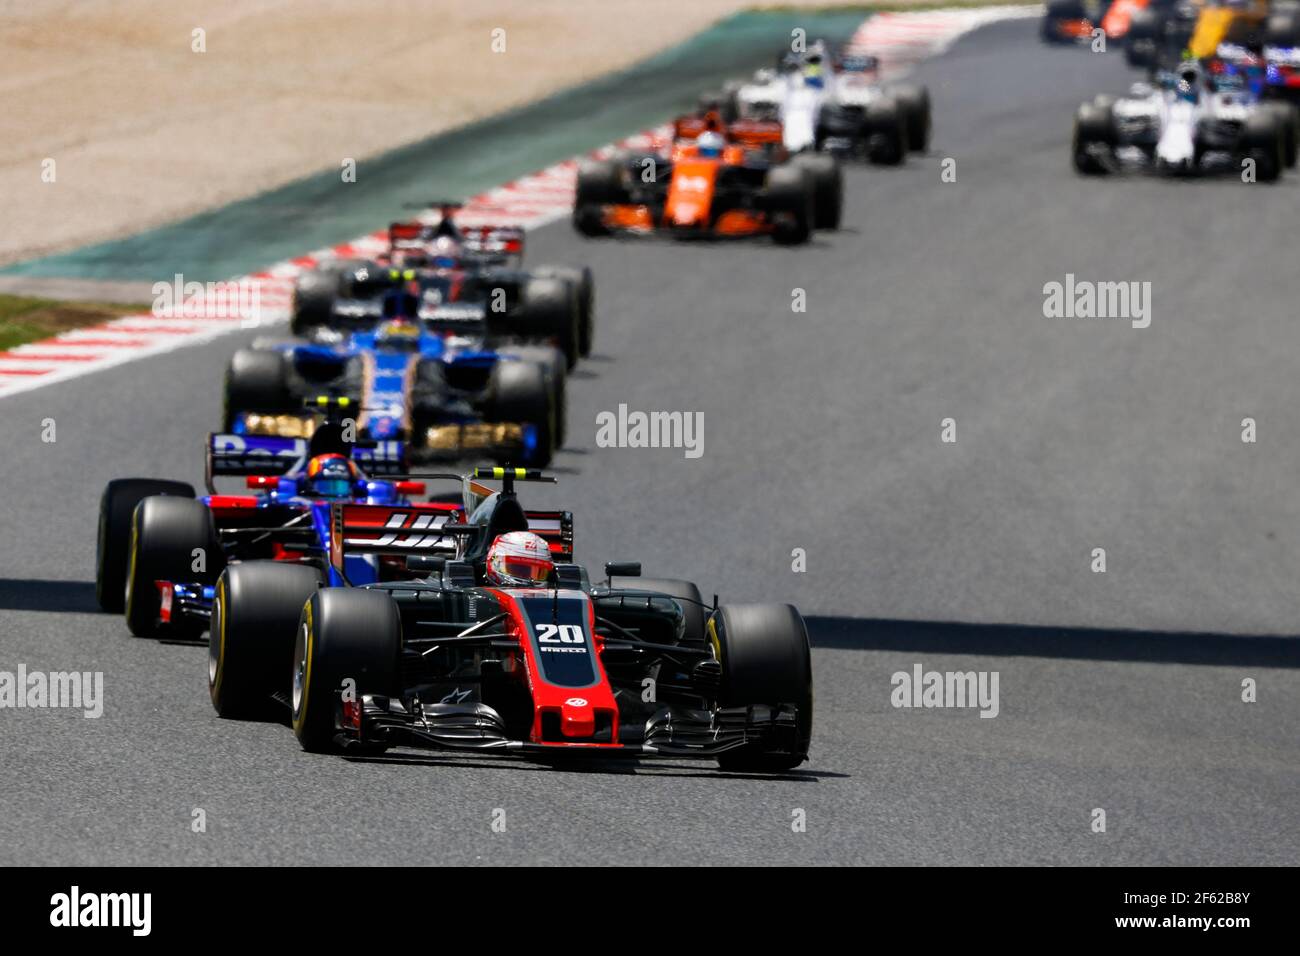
[747, 132]
[496, 243]
[404, 530]
[751, 132]
[240, 455]
[858, 63]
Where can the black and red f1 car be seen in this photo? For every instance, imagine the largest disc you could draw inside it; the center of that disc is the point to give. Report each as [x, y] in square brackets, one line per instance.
[627, 667]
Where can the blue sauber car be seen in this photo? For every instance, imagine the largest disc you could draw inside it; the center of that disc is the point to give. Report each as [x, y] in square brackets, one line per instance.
[428, 378]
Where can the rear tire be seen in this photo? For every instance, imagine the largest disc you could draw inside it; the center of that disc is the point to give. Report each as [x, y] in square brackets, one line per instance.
[254, 621]
[828, 188]
[550, 306]
[600, 183]
[885, 131]
[1263, 141]
[553, 367]
[765, 657]
[313, 299]
[1139, 42]
[257, 381]
[914, 101]
[165, 533]
[113, 544]
[584, 289]
[343, 633]
[687, 595]
[520, 393]
[1288, 119]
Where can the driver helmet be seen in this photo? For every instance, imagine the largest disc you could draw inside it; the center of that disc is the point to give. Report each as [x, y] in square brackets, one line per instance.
[710, 144]
[1189, 82]
[331, 476]
[444, 253]
[519, 559]
[398, 333]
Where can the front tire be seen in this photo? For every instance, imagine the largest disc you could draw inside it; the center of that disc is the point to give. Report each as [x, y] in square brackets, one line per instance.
[169, 536]
[343, 634]
[765, 658]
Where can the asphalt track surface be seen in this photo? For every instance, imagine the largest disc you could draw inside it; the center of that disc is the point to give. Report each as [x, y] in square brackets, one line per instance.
[822, 431]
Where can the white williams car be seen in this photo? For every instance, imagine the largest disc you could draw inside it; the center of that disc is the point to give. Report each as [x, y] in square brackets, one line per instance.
[1186, 124]
[834, 106]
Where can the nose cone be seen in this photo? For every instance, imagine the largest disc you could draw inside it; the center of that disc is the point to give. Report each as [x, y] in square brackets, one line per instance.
[577, 717]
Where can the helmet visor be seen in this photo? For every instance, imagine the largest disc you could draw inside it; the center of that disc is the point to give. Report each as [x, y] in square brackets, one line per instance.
[522, 570]
[333, 487]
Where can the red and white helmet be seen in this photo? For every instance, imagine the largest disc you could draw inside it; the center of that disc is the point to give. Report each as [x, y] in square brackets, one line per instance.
[519, 559]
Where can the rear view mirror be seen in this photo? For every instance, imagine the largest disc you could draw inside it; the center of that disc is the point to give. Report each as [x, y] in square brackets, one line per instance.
[622, 569]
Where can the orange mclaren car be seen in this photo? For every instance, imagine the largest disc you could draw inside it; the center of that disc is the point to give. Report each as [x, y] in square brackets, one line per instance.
[1067, 21]
[717, 180]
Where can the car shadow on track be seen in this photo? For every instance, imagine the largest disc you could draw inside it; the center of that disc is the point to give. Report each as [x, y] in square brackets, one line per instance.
[1081, 643]
[76, 597]
[581, 764]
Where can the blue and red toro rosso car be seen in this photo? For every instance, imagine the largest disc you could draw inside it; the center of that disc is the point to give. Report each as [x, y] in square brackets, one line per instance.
[500, 643]
[161, 549]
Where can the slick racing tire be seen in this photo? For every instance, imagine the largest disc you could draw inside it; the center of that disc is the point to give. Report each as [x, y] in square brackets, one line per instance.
[885, 130]
[789, 197]
[1058, 11]
[521, 393]
[1263, 141]
[828, 188]
[313, 300]
[1140, 41]
[685, 593]
[172, 539]
[1288, 119]
[914, 101]
[1094, 129]
[343, 634]
[600, 183]
[584, 287]
[254, 622]
[551, 311]
[313, 297]
[765, 658]
[553, 366]
[257, 381]
[113, 543]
